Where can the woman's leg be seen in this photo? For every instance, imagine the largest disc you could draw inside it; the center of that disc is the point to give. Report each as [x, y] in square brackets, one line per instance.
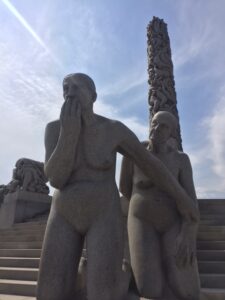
[145, 252]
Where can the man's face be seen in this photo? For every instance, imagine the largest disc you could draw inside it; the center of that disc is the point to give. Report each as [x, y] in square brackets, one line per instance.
[74, 88]
[161, 129]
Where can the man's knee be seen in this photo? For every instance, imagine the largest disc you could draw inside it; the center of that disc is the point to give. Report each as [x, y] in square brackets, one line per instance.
[150, 289]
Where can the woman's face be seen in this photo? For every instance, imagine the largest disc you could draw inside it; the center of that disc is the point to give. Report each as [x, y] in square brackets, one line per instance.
[161, 129]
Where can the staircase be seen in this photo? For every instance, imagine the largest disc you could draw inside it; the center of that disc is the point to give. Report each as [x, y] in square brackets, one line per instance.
[211, 249]
[20, 249]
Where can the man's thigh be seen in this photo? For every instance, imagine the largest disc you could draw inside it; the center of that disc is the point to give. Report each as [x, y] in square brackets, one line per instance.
[59, 261]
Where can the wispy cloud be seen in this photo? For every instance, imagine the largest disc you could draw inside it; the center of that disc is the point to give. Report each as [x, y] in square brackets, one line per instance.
[28, 27]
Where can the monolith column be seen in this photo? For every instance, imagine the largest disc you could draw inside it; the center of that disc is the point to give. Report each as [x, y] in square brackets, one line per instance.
[162, 93]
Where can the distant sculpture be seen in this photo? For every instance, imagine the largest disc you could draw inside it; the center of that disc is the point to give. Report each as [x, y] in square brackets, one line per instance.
[28, 175]
[80, 163]
[162, 239]
[162, 93]
[3, 191]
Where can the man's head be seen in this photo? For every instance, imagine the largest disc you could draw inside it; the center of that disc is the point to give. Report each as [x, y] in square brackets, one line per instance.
[163, 126]
[79, 87]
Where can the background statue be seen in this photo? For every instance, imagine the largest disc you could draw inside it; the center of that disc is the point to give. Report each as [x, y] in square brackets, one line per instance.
[28, 175]
[80, 163]
[162, 239]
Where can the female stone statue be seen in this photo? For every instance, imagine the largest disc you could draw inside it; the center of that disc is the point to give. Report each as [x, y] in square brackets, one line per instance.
[162, 239]
[80, 163]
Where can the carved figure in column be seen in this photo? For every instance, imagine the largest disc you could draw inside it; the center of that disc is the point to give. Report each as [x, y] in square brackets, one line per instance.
[162, 239]
[162, 93]
[80, 163]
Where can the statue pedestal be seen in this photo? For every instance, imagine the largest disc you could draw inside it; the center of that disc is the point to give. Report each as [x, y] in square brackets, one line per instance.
[20, 206]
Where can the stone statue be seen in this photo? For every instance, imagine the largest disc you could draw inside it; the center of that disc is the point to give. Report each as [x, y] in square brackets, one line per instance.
[162, 239]
[80, 163]
[28, 175]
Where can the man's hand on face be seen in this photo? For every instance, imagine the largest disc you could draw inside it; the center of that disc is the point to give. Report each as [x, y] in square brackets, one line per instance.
[70, 117]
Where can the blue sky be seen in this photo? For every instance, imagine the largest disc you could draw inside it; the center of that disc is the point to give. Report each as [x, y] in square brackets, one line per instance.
[42, 41]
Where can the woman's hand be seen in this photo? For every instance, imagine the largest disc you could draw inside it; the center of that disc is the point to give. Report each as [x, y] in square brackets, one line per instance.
[186, 246]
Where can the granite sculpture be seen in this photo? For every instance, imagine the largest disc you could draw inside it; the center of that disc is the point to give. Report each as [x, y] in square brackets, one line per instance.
[28, 175]
[162, 93]
[80, 163]
[162, 238]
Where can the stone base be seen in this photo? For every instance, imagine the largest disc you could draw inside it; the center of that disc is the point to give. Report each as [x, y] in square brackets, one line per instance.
[21, 206]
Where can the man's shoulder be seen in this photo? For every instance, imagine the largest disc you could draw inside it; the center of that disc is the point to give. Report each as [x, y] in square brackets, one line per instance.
[53, 126]
[113, 124]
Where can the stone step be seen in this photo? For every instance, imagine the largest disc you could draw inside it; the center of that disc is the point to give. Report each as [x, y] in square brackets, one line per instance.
[22, 238]
[211, 255]
[211, 294]
[20, 253]
[4, 233]
[213, 222]
[212, 207]
[211, 245]
[209, 228]
[18, 287]
[210, 216]
[15, 297]
[19, 273]
[24, 227]
[29, 224]
[211, 267]
[21, 245]
[214, 281]
[211, 236]
[19, 262]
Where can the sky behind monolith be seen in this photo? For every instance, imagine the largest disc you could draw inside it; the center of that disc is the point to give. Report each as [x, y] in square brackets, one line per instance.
[42, 41]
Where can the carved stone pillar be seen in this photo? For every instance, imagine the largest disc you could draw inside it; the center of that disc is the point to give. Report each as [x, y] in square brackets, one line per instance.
[162, 93]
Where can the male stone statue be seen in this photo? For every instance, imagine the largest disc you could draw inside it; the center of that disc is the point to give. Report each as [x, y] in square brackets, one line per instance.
[162, 238]
[80, 163]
